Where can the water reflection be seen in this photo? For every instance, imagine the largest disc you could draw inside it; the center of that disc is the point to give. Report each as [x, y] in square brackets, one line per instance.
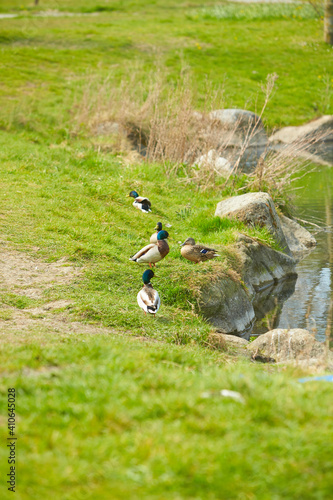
[268, 305]
[309, 306]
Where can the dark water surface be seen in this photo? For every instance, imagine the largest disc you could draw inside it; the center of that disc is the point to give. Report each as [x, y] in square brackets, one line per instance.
[304, 300]
[308, 306]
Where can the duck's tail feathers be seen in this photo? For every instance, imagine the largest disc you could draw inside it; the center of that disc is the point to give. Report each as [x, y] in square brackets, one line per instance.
[152, 309]
[145, 209]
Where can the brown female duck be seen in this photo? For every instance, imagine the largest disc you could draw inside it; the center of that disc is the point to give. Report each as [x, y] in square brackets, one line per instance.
[197, 253]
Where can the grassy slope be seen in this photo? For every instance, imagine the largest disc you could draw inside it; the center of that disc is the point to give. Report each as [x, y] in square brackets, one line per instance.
[104, 416]
[71, 202]
[54, 55]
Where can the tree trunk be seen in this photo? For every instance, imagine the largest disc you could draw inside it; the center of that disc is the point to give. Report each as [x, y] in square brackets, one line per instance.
[36, 2]
[328, 22]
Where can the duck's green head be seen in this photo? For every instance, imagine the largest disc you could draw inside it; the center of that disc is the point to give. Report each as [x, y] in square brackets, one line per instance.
[147, 276]
[134, 194]
[162, 235]
[158, 226]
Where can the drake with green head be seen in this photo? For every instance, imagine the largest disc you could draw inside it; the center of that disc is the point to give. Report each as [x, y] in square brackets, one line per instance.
[197, 253]
[158, 228]
[148, 298]
[154, 252]
[140, 202]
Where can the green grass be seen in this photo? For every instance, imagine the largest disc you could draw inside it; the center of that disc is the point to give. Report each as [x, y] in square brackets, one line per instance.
[260, 12]
[56, 58]
[101, 417]
[107, 416]
[71, 202]
[18, 301]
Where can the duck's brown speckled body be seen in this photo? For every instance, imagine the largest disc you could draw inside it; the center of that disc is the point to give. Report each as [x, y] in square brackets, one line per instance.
[197, 253]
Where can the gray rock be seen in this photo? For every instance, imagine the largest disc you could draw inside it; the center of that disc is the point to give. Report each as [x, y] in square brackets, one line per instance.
[319, 131]
[299, 240]
[233, 341]
[254, 209]
[295, 345]
[212, 160]
[229, 304]
[242, 124]
[226, 305]
[261, 265]
[242, 137]
[222, 342]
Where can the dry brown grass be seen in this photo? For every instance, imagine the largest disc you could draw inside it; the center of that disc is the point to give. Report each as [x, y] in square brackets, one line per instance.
[159, 121]
[278, 170]
[282, 167]
[216, 342]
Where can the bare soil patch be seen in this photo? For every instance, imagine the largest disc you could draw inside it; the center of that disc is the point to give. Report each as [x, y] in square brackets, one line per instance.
[21, 274]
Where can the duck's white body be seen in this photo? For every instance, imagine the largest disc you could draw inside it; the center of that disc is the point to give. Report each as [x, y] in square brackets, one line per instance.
[149, 253]
[153, 238]
[148, 299]
[142, 204]
[154, 252]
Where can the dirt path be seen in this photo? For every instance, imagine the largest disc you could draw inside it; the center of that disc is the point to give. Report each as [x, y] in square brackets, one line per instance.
[22, 276]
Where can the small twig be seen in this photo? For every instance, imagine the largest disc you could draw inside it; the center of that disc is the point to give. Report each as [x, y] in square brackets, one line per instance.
[311, 223]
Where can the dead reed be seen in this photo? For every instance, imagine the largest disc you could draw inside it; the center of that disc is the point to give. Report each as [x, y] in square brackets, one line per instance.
[158, 120]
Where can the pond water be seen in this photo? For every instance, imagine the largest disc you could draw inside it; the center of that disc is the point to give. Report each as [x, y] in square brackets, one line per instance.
[305, 303]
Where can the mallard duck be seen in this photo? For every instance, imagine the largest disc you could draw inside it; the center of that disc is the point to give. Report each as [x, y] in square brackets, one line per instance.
[153, 238]
[148, 298]
[140, 202]
[154, 252]
[197, 253]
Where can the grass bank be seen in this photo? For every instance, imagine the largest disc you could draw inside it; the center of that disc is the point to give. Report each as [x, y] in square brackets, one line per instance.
[69, 201]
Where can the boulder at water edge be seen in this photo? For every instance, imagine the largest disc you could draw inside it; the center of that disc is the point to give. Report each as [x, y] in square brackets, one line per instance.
[299, 240]
[296, 346]
[228, 303]
[254, 209]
